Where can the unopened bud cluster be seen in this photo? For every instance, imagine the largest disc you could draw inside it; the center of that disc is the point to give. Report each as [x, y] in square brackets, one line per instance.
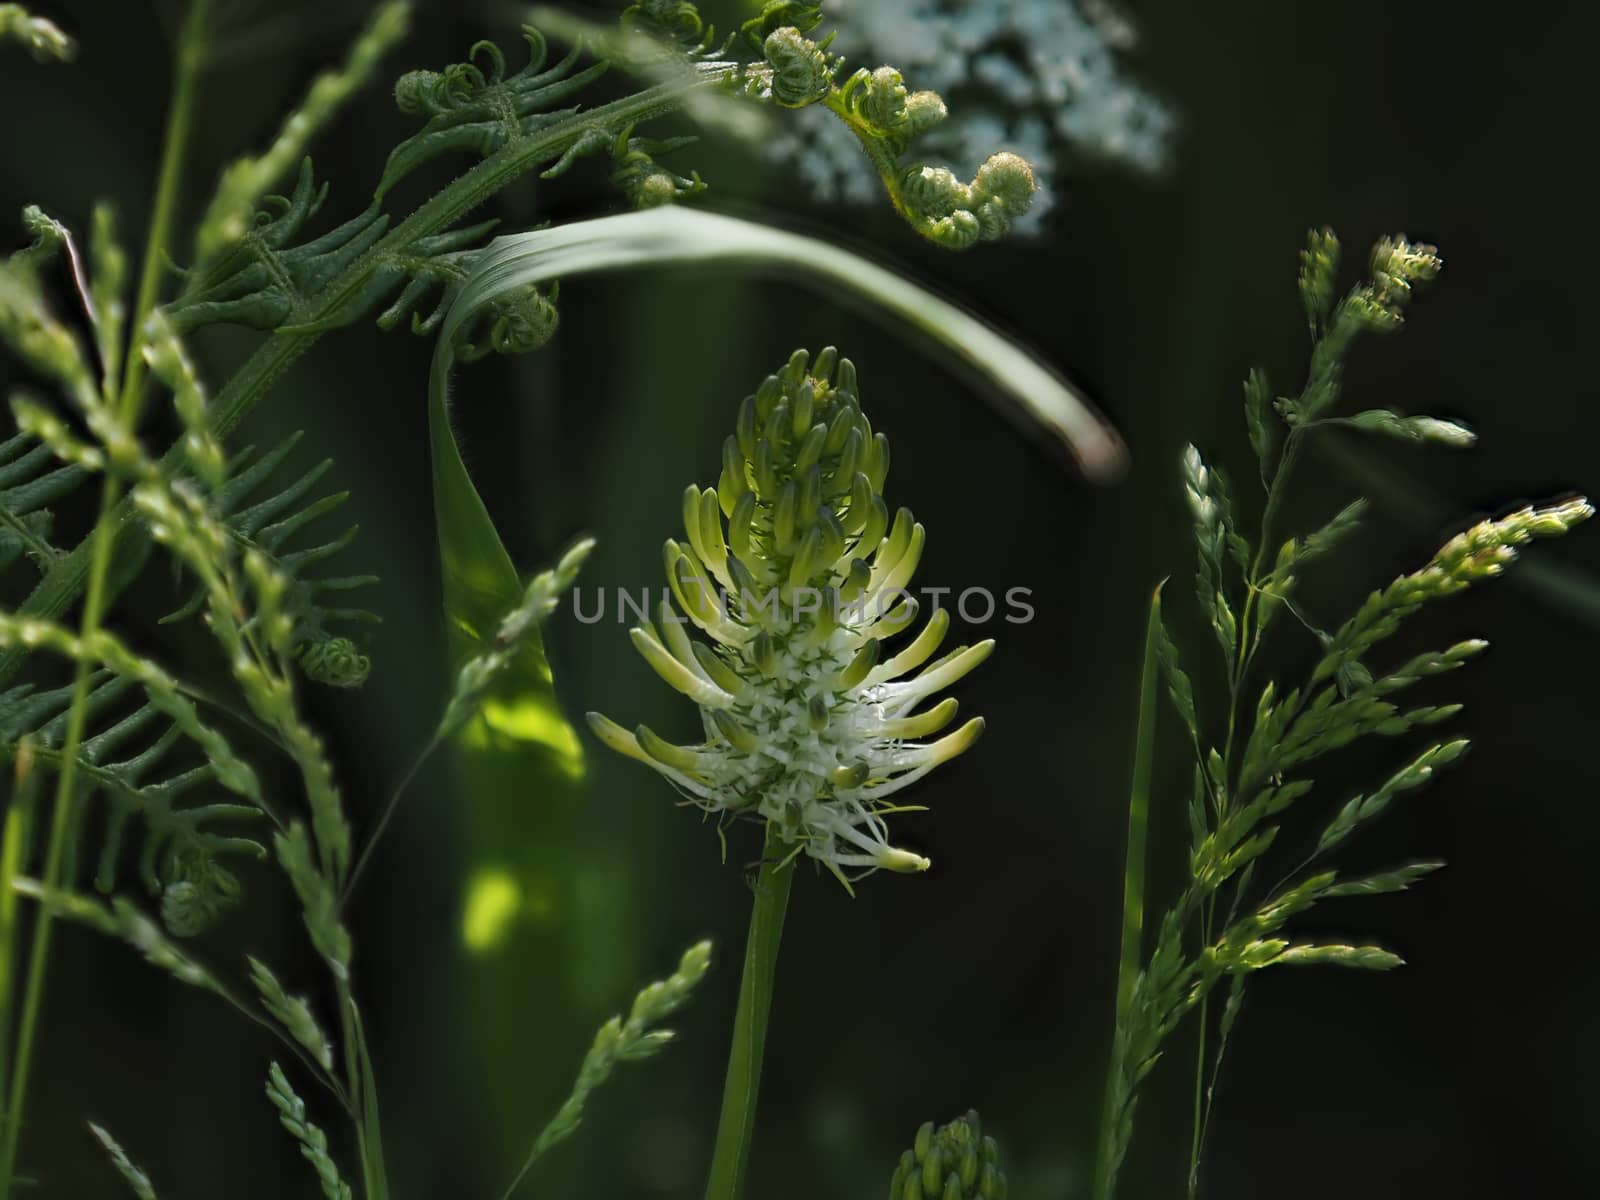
[809, 723]
[954, 1162]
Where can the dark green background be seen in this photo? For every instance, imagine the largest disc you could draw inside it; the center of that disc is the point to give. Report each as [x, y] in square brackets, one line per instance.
[987, 982]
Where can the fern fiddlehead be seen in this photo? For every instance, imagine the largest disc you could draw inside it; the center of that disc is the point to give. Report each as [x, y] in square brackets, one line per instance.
[887, 119]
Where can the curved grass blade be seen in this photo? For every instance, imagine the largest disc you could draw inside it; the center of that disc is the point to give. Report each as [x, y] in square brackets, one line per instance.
[1033, 394]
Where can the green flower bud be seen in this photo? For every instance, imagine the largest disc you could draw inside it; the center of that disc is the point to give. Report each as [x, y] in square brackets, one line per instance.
[955, 1162]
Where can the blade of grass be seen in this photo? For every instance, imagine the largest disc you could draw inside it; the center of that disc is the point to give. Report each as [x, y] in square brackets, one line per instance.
[1133, 889]
[674, 235]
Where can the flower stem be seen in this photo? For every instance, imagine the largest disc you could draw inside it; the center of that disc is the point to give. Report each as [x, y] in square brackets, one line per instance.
[734, 1129]
[1112, 1141]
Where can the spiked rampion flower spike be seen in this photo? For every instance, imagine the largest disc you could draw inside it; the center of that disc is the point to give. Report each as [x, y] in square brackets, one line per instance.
[795, 573]
[953, 1162]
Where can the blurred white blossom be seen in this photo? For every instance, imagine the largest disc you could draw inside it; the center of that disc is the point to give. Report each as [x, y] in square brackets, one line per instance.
[1042, 78]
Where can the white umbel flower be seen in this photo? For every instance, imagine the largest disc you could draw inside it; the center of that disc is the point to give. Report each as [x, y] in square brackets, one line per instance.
[795, 575]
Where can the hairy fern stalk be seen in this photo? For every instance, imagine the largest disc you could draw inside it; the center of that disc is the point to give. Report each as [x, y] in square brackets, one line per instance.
[247, 532]
[1253, 762]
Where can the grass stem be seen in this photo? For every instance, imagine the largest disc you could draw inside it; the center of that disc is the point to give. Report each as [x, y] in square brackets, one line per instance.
[14, 850]
[1203, 1022]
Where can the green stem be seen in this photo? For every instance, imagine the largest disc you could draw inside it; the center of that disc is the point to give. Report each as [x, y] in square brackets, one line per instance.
[1109, 1154]
[731, 1157]
[189, 60]
[1200, 1061]
[179, 115]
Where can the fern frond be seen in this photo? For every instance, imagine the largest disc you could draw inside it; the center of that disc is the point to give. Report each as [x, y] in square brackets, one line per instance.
[478, 109]
[265, 280]
[31, 479]
[181, 856]
[126, 758]
[269, 516]
[227, 218]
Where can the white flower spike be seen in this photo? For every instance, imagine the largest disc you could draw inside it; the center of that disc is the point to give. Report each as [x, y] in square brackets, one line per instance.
[795, 573]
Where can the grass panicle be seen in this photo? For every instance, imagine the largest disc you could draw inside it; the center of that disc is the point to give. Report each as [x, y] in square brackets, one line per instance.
[313, 1142]
[1251, 765]
[621, 1040]
[138, 1182]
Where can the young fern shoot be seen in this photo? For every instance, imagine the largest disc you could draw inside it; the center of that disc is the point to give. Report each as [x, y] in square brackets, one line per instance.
[1254, 763]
